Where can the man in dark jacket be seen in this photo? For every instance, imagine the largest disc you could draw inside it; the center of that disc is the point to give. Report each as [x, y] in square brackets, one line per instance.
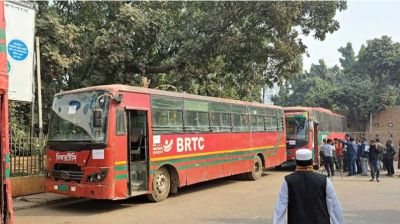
[351, 153]
[388, 158]
[308, 197]
[374, 160]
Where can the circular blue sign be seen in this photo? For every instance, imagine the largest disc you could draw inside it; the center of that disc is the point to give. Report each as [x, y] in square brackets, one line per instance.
[17, 50]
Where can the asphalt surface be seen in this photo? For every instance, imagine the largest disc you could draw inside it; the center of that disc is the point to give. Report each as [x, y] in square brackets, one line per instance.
[228, 200]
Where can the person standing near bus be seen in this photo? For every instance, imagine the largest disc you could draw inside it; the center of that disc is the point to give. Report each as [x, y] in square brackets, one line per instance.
[304, 188]
[381, 149]
[374, 154]
[358, 160]
[334, 158]
[388, 158]
[328, 157]
[363, 151]
[398, 164]
[321, 152]
[351, 152]
[339, 153]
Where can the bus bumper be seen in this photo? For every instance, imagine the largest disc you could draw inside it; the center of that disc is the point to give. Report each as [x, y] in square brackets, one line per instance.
[73, 189]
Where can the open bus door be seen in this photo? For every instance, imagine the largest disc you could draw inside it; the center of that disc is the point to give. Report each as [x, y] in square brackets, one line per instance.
[138, 153]
[6, 210]
[316, 162]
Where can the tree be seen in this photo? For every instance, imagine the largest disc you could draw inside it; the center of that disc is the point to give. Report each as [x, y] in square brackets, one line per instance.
[224, 49]
[313, 88]
[366, 83]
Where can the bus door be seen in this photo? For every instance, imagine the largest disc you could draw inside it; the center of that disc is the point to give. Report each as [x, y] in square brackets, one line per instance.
[316, 146]
[138, 153]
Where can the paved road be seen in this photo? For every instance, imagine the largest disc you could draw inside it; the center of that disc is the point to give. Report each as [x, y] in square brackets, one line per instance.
[226, 200]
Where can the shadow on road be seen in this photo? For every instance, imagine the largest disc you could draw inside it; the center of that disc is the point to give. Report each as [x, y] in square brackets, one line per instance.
[239, 220]
[84, 207]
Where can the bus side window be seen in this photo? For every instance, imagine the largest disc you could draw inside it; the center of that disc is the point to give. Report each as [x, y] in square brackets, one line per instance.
[120, 123]
[196, 116]
[220, 117]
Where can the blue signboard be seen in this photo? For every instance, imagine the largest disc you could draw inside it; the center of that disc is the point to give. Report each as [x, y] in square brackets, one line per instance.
[17, 50]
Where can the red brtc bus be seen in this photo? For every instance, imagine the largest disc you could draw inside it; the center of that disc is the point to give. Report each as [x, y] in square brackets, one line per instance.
[6, 210]
[307, 126]
[115, 141]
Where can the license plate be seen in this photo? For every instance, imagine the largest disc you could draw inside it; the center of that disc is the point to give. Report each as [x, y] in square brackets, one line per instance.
[63, 187]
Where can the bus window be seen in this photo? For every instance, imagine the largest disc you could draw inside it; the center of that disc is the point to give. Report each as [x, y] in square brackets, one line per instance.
[245, 120]
[196, 116]
[167, 115]
[270, 123]
[257, 123]
[220, 117]
[241, 119]
[297, 127]
[121, 126]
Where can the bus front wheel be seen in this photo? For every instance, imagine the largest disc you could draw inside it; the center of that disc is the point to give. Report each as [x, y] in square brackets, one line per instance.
[256, 173]
[161, 185]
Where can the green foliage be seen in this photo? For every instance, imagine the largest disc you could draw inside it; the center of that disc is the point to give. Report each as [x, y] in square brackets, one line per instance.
[366, 83]
[224, 49]
[19, 119]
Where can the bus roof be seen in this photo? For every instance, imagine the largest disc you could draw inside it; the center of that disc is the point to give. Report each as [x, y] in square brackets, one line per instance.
[309, 109]
[125, 88]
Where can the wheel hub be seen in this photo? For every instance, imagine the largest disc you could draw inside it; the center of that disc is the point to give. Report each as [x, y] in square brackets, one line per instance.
[161, 183]
[256, 167]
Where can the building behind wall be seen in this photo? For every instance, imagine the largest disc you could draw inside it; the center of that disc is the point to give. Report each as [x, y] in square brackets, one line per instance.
[386, 126]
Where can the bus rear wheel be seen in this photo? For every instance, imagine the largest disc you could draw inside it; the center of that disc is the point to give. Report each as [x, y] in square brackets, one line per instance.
[256, 173]
[161, 185]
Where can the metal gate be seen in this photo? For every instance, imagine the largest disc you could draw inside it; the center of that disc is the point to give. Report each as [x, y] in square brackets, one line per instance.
[26, 155]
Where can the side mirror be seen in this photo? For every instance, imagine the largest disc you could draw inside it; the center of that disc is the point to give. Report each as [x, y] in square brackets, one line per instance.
[311, 125]
[117, 97]
[97, 118]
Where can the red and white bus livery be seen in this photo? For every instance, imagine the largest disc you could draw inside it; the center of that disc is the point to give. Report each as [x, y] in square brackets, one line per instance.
[307, 126]
[116, 141]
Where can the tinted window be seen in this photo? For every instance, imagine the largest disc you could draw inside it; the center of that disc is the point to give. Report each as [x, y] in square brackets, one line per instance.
[196, 116]
[220, 117]
[121, 127]
[167, 115]
[257, 123]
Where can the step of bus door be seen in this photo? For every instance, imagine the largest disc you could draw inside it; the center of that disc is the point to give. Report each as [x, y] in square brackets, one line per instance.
[137, 185]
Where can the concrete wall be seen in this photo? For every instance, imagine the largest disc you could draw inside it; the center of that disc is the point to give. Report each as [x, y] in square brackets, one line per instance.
[27, 185]
[386, 126]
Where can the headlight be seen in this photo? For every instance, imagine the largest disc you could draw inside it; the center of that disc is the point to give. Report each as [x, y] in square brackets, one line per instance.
[98, 176]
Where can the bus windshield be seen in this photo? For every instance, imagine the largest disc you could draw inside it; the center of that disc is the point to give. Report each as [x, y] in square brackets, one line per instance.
[297, 127]
[72, 117]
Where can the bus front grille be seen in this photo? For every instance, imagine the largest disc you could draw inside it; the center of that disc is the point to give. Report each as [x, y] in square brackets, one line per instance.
[67, 172]
[67, 175]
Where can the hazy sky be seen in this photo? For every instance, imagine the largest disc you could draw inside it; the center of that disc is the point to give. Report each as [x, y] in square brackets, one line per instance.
[363, 20]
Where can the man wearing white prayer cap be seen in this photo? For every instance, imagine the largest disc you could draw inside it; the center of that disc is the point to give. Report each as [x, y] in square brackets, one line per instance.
[308, 197]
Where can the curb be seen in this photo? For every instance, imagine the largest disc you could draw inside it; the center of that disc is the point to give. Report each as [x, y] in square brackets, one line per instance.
[26, 204]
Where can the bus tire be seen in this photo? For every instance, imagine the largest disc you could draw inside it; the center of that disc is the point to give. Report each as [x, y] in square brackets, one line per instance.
[256, 173]
[161, 185]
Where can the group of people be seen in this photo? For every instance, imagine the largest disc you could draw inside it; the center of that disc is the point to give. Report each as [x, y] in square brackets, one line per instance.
[304, 187]
[356, 156]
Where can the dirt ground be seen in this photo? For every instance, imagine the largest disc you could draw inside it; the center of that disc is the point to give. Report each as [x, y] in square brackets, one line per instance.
[227, 200]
